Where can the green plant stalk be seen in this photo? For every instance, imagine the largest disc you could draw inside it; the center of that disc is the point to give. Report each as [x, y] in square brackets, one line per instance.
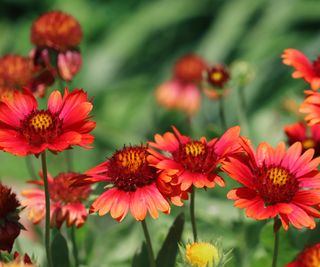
[47, 200]
[192, 216]
[74, 246]
[222, 115]
[148, 243]
[276, 243]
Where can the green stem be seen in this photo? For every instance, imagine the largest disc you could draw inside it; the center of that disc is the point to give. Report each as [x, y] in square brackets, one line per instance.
[276, 228]
[148, 243]
[69, 160]
[74, 246]
[192, 216]
[222, 115]
[30, 168]
[47, 199]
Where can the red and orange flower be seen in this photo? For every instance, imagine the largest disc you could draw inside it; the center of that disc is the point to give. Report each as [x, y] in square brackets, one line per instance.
[9, 218]
[193, 162]
[309, 257]
[310, 106]
[217, 78]
[304, 68]
[60, 33]
[24, 129]
[134, 185]
[17, 72]
[66, 201]
[276, 182]
[308, 136]
[182, 91]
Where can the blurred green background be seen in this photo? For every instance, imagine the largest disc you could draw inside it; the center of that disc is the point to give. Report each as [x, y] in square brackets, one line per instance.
[129, 48]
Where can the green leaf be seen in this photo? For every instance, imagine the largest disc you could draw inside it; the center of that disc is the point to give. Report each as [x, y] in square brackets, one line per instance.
[168, 252]
[59, 250]
[140, 258]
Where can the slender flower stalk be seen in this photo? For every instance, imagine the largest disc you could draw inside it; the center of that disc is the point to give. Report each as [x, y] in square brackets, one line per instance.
[222, 115]
[148, 243]
[74, 246]
[276, 228]
[47, 199]
[192, 216]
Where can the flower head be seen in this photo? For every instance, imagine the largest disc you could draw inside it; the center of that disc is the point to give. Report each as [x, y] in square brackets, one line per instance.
[190, 68]
[304, 68]
[24, 129]
[310, 106]
[309, 257]
[134, 185]
[276, 182]
[193, 162]
[66, 201]
[176, 95]
[56, 30]
[217, 77]
[308, 136]
[9, 218]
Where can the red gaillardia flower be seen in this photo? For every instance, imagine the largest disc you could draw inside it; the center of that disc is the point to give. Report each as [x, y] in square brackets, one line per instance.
[217, 77]
[60, 33]
[309, 257]
[276, 182]
[182, 91]
[193, 162]
[308, 136]
[66, 201]
[9, 218]
[135, 185]
[17, 72]
[24, 129]
[310, 106]
[304, 68]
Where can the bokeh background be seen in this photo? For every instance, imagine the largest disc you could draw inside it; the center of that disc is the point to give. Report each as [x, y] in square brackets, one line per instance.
[129, 48]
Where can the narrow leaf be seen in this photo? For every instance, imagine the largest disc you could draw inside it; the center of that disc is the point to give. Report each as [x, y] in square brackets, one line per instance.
[168, 252]
[59, 251]
[140, 258]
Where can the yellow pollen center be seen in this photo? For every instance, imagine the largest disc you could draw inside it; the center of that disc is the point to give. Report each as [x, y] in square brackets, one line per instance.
[278, 176]
[195, 149]
[216, 76]
[308, 143]
[41, 121]
[202, 254]
[132, 160]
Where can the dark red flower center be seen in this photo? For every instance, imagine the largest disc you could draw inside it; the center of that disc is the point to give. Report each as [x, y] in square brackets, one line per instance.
[61, 189]
[129, 168]
[8, 202]
[196, 157]
[310, 257]
[218, 75]
[277, 185]
[41, 127]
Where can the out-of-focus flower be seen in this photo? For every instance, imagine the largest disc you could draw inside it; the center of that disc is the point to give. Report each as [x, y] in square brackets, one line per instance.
[135, 185]
[9, 218]
[242, 73]
[190, 69]
[204, 254]
[17, 72]
[176, 95]
[25, 259]
[57, 36]
[15, 261]
[304, 68]
[308, 136]
[311, 106]
[66, 201]
[182, 91]
[276, 182]
[217, 78]
[193, 162]
[25, 129]
[309, 257]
